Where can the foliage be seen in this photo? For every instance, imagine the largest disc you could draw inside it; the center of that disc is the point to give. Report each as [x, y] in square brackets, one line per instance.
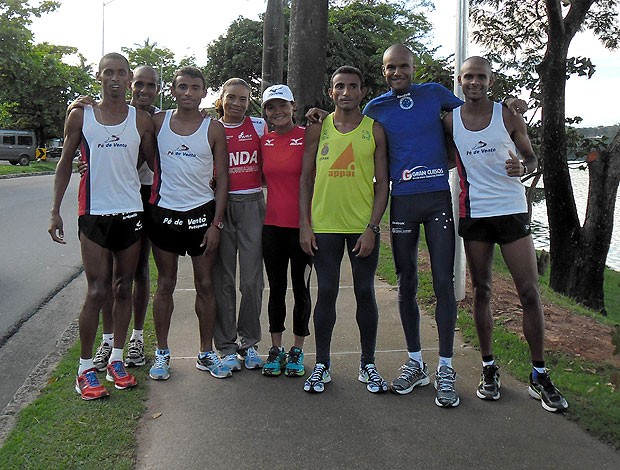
[238, 53]
[358, 33]
[161, 59]
[59, 430]
[530, 42]
[35, 83]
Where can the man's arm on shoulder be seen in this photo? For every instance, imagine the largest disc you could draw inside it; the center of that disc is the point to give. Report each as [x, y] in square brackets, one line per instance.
[450, 145]
[306, 188]
[217, 141]
[148, 145]
[72, 139]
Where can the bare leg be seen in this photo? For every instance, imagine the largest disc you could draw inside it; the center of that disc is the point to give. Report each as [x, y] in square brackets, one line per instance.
[122, 282]
[141, 285]
[97, 267]
[163, 303]
[480, 262]
[520, 258]
[205, 298]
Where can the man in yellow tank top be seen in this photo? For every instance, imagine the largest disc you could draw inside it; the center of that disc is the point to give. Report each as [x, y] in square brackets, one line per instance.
[343, 195]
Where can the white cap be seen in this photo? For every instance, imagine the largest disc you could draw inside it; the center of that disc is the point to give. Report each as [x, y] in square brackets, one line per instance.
[281, 92]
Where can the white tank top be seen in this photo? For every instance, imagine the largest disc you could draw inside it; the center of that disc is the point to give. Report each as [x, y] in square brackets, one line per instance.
[486, 189]
[111, 185]
[183, 168]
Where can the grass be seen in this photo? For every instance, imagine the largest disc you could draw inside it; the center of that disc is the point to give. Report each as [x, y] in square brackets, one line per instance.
[592, 389]
[34, 167]
[60, 430]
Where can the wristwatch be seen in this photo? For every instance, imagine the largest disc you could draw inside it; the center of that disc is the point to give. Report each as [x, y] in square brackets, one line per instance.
[374, 228]
[218, 224]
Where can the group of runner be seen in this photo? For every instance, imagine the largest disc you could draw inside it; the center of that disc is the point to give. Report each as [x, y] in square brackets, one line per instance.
[327, 189]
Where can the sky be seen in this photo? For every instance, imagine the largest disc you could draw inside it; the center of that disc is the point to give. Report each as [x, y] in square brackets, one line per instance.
[188, 26]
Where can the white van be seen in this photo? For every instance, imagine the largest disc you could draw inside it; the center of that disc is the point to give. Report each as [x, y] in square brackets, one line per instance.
[17, 146]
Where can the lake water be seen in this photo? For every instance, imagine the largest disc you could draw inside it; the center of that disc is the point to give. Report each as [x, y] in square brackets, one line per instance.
[540, 225]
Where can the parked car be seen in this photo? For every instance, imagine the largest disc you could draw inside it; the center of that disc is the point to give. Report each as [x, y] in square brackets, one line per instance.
[17, 146]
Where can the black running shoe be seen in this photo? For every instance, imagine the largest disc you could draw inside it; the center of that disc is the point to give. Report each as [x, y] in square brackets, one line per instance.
[543, 389]
[488, 388]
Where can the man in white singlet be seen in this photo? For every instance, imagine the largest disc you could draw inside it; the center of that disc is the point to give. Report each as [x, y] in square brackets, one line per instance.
[493, 209]
[184, 215]
[110, 137]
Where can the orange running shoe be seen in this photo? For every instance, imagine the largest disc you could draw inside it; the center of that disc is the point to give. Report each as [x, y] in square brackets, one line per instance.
[88, 386]
[120, 377]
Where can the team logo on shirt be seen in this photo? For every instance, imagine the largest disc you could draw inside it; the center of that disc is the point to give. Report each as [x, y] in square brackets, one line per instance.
[182, 151]
[111, 142]
[405, 101]
[296, 142]
[480, 147]
[269, 143]
[244, 137]
[421, 172]
[344, 166]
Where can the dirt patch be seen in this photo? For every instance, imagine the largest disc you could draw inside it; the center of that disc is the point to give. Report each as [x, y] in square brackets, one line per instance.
[566, 332]
[574, 335]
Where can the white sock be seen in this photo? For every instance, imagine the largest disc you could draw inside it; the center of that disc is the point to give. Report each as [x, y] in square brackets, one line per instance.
[416, 356]
[85, 364]
[444, 361]
[117, 355]
[137, 335]
[108, 338]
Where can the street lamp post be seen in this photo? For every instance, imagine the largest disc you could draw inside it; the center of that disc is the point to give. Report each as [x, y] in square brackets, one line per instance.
[462, 42]
[103, 5]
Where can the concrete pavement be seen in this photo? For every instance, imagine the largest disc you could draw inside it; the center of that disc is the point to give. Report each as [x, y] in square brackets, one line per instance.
[195, 421]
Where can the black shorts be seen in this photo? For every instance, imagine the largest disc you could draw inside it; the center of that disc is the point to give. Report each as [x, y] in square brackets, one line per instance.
[179, 232]
[501, 229]
[114, 232]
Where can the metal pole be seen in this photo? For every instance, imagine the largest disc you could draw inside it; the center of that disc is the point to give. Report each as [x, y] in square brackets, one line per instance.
[462, 42]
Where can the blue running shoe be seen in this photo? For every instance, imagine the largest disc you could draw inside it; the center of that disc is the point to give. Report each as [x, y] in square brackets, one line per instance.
[275, 362]
[232, 362]
[252, 359]
[295, 365]
[211, 363]
[161, 367]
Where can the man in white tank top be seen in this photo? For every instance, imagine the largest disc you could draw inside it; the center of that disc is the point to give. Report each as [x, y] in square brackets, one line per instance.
[185, 216]
[493, 209]
[111, 137]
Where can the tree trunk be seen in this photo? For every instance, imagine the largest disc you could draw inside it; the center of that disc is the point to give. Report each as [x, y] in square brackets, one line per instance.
[577, 254]
[307, 53]
[273, 44]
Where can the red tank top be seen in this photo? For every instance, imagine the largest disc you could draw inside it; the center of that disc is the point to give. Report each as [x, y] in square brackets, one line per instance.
[244, 157]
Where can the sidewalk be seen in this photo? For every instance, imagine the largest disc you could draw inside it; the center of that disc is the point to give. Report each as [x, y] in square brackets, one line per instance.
[195, 421]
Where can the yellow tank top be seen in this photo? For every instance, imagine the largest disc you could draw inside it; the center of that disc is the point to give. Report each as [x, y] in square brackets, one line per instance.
[344, 185]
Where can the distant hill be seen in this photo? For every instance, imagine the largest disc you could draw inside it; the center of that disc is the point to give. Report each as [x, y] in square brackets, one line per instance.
[607, 131]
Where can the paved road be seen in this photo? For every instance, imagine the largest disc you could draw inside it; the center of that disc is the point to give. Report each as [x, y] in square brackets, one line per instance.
[32, 265]
[32, 269]
[194, 421]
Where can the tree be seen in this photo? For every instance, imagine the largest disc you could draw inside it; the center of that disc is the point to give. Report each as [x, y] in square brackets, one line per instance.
[35, 83]
[358, 33]
[162, 60]
[532, 40]
[237, 53]
[307, 51]
[273, 44]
